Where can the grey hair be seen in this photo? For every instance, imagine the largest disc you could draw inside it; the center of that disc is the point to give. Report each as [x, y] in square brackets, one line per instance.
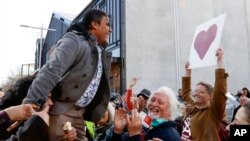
[174, 104]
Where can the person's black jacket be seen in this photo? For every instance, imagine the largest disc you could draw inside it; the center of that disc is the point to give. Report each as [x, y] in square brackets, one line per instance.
[34, 129]
[165, 131]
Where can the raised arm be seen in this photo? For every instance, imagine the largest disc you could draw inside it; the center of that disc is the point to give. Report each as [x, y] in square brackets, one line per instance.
[186, 85]
[220, 88]
[187, 70]
[132, 83]
[49, 75]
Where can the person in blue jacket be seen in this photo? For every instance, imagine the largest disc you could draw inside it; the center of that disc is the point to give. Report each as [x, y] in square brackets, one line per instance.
[163, 108]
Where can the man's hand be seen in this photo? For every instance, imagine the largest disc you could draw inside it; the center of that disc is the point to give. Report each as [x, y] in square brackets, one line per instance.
[20, 112]
[187, 70]
[134, 123]
[132, 83]
[70, 135]
[44, 114]
[219, 54]
[120, 121]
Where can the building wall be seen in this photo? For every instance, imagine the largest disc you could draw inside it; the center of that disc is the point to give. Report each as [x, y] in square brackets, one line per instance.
[159, 35]
[150, 43]
[115, 77]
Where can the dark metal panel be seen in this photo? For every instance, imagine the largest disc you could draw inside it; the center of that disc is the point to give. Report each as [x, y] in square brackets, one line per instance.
[53, 36]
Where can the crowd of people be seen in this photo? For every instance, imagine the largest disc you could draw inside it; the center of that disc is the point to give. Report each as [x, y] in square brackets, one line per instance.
[70, 99]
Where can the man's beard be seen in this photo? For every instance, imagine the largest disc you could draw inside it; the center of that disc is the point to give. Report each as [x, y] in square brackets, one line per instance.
[153, 116]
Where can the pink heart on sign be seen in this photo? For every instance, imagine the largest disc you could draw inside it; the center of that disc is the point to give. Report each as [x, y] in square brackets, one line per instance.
[204, 40]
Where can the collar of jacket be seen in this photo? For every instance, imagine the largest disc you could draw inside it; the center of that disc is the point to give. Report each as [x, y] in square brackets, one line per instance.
[93, 41]
[157, 121]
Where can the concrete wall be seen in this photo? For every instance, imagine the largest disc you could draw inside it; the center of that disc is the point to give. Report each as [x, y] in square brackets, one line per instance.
[159, 35]
[149, 43]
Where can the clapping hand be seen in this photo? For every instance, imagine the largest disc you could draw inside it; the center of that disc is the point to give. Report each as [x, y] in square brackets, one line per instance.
[134, 123]
[120, 121]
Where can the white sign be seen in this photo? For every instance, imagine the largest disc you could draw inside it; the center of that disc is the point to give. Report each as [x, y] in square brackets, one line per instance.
[205, 43]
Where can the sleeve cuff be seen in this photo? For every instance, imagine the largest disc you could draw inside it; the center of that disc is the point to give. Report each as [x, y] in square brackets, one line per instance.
[5, 119]
[184, 78]
[221, 73]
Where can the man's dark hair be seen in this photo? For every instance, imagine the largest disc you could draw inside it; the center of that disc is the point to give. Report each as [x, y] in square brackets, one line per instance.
[93, 15]
[15, 95]
[246, 89]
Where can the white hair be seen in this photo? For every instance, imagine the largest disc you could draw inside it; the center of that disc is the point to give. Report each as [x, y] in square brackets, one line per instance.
[174, 104]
